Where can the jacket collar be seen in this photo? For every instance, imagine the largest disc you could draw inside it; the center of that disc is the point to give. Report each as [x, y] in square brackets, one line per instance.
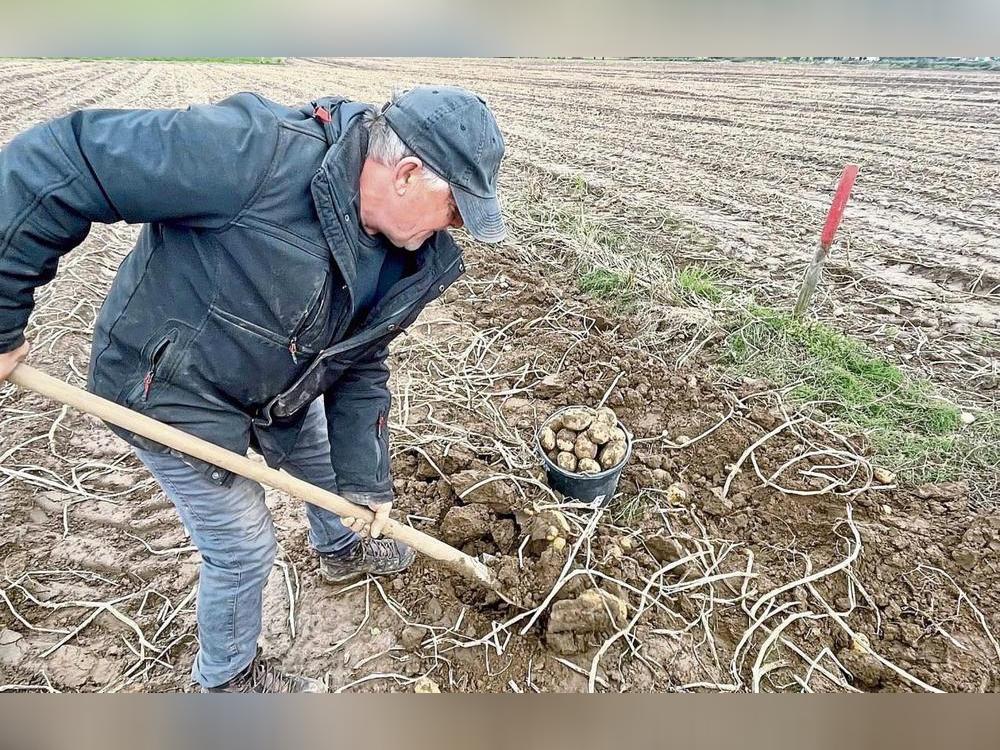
[335, 190]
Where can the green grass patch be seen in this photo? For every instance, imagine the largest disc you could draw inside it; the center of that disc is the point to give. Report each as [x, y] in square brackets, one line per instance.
[971, 452]
[914, 430]
[606, 285]
[698, 282]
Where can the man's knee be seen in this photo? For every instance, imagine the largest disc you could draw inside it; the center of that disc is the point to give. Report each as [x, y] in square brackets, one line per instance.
[259, 545]
[268, 546]
[242, 534]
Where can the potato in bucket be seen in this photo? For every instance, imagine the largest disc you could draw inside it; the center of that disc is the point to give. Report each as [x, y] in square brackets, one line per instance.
[584, 451]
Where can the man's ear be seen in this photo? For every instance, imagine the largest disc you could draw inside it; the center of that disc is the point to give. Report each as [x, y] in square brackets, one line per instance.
[406, 171]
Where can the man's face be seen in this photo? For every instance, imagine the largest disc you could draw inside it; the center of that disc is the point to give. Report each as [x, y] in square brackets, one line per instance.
[416, 210]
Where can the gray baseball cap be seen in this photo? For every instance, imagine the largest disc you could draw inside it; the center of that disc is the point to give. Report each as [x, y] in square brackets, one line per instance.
[454, 133]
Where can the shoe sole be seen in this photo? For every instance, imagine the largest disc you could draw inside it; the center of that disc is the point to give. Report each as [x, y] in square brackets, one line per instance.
[350, 578]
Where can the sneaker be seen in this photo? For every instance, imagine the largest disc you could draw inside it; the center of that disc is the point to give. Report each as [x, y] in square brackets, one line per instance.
[378, 557]
[264, 676]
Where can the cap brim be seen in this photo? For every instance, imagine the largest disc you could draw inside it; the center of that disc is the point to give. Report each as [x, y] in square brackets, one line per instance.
[481, 216]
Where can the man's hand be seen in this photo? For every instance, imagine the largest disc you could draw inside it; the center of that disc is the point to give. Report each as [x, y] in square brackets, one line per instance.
[9, 360]
[361, 526]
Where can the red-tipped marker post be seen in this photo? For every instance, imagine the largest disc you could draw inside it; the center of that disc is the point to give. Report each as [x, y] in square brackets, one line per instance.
[833, 217]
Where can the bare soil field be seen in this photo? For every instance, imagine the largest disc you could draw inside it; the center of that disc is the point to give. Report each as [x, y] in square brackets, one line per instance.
[757, 543]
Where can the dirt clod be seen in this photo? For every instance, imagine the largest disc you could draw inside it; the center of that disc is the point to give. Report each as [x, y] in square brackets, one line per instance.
[551, 385]
[412, 636]
[71, 666]
[664, 549]
[12, 647]
[573, 621]
[867, 670]
[504, 533]
[463, 523]
[498, 495]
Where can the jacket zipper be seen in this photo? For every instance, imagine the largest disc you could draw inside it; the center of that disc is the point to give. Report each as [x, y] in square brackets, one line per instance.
[154, 362]
[354, 341]
[379, 457]
[312, 310]
[376, 332]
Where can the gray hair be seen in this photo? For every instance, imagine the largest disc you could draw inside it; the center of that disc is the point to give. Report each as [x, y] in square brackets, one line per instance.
[385, 147]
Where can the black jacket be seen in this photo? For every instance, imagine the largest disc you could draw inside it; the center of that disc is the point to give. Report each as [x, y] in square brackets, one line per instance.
[234, 310]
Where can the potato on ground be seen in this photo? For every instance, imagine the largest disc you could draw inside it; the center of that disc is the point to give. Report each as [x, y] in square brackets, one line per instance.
[565, 440]
[584, 448]
[566, 460]
[577, 419]
[588, 466]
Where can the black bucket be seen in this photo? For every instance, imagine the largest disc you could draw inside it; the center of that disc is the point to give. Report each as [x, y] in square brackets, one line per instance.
[595, 489]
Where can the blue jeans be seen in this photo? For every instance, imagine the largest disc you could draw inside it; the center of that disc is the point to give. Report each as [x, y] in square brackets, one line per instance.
[232, 528]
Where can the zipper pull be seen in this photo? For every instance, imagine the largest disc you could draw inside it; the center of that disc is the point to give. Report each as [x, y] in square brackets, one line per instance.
[147, 383]
[293, 349]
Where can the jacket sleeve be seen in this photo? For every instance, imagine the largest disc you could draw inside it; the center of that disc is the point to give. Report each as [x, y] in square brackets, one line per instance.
[357, 415]
[197, 167]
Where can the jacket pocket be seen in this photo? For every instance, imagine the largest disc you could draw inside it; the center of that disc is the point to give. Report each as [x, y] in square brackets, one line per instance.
[153, 367]
[259, 331]
[241, 361]
[155, 360]
[292, 343]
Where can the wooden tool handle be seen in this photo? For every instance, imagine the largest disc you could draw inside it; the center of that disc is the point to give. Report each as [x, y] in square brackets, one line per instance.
[39, 382]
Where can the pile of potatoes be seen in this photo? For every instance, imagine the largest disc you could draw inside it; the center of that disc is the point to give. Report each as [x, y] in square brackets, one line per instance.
[584, 441]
